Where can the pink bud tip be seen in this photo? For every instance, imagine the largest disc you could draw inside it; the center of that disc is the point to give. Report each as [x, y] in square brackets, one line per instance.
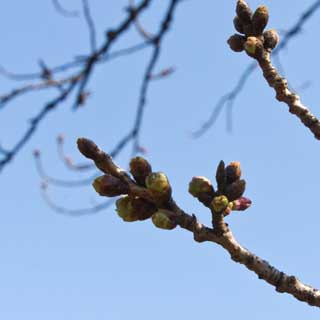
[241, 204]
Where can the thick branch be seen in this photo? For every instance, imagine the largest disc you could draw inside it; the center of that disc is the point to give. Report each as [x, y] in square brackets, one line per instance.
[284, 94]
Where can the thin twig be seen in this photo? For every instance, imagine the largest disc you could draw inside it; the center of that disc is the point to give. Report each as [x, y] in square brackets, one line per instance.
[4, 99]
[91, 26]
[141, 30]
[34, 123]
[78, 80]
[74, 212]
[73, 64]
[61, 182]
[149, 70]
[64, 11]
[112, 35]
[67, 160]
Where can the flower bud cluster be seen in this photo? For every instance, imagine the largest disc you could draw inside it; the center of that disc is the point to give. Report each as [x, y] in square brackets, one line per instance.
[252, 38]
[132, 208]
[230, 189]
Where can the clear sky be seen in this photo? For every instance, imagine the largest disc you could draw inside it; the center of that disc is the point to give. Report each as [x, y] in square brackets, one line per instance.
[97, 267]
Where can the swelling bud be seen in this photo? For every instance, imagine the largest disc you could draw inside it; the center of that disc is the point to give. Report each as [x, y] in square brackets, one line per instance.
[159, 186]
[271, 39]
[235, 190]
[233, 171]
[140, 169]
[238, 25]
[125, 210]
[221, 177]
[161, 220]
[241, 204]
[109, 186]
[202, 189]
[236, 42]
[244, 12]
[143, 208]
[260, 20]
[219, 204]
[200, 185]
[253, 47]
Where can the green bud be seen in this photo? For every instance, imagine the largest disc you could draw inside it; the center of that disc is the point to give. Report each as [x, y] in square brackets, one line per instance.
[161, 220]
[219, 204]
[157, 182]
[140, 169]
[109, 186]
[125, 210]
[199, 185]
[159, 186]
[254, 47]
[202, 189]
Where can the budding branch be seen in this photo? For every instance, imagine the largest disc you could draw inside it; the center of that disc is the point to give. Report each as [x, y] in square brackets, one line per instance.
[201, 233]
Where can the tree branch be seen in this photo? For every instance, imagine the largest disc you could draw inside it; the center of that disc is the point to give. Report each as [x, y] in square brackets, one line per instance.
[219, 234]
[259, 44]
[228, 100]
[283, 94]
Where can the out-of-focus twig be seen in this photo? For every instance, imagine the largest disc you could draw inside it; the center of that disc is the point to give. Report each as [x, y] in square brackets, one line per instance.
[149, 70]
[111, 36]
[162, 74]
[77, 81]
[72, 212]
[59, 182]
[67, 160]
[34, 123]
[64, 11]
[74, 64]
[91, 26]
[35, 87]
[141, 30]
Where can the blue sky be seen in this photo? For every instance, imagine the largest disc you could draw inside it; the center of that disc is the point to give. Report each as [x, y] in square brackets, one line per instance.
[97, 267]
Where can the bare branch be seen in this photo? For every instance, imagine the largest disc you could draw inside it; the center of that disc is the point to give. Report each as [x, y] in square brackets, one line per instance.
[283, 94]
[112, 35]
[78, 79]
[34, 123]
[149, 71]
